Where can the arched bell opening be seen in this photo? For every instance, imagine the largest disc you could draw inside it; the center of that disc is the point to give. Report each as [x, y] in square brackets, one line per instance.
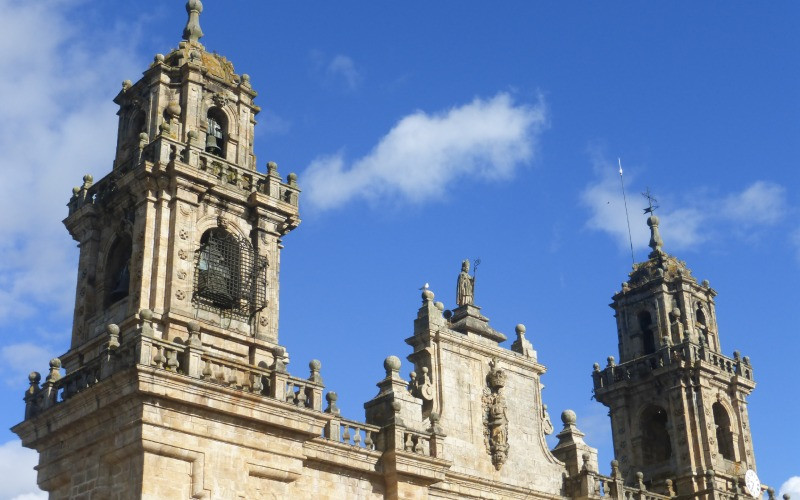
[722, 423]
[217, 135]
[656, 443]
[117, 278]
[218, 278]
[648, 335]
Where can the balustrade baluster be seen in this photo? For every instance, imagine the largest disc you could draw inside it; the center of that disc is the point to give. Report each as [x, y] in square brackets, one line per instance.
[346, 434]
[368, 439]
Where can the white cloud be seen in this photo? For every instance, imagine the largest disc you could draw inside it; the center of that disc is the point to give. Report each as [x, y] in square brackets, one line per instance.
[417, 159]
[759, 204]
[57, 123]
[337, 71]
[19, 477]
[18, 360]
[343, 67]
[791, 486]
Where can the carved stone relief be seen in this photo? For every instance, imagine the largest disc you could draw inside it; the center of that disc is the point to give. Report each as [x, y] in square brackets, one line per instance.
[494, 418]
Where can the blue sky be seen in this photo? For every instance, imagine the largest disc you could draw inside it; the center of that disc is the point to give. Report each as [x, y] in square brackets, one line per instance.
[424, 133]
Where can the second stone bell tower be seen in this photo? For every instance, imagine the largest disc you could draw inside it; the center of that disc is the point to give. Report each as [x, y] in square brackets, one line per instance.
[678, 405]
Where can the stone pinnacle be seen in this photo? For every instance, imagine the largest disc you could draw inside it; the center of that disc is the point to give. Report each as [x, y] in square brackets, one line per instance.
[192, 32]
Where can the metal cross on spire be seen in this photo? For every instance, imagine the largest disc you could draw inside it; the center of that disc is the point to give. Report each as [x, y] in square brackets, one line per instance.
[651, 200]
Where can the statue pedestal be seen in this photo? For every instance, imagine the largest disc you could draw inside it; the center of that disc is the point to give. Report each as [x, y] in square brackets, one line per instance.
[467, 319]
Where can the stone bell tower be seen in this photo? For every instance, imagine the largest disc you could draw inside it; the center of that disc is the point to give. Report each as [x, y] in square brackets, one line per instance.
[183, 225]
[177, 292]
[678, 405]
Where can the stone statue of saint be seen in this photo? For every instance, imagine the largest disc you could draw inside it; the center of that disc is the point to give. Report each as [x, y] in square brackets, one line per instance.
[465, 292]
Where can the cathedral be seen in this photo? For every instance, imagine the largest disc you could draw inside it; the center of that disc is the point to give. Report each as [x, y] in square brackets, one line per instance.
[176, 386]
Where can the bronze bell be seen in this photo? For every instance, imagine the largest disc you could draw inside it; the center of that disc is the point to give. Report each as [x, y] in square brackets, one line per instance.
[121, 285]
[212, 145]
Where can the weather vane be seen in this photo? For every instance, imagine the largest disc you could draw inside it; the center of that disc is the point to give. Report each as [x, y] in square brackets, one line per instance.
[651, 200]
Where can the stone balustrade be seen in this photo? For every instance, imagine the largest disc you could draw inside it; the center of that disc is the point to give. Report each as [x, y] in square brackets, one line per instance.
[684, 354]
[104, 356]
[417, 442]
[167, 150]
[352, 433]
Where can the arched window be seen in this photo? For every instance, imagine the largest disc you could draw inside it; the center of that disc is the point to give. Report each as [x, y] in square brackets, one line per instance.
[701, 317]
[648, 336]
[117, 278]
[722, 422]
[656, 445]
[229, 276]
[702, 327]
[219, 269]
[217, 132]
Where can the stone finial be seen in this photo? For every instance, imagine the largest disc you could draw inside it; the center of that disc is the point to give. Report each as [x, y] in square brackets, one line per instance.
[192, 31]
[391, 365]
[55, 370]
[194, 333]
[771, 493]
[331, 398]
[146, 316]
[655, 238]
[272, 168]
[279, 352]
[640, 481]
[315, 365]
[786, 496]
[614, 469]
[126, 84]
[585, 457]
[568, 417]
[523, 345]
[427, 295]
[113, 336]
[611, 361]
[292, 179]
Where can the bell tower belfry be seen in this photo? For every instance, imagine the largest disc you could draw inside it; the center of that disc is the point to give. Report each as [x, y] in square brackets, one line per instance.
[183, 225]
[677, 404]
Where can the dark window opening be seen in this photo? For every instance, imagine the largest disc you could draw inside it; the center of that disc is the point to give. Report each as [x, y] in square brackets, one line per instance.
[656, 445]
[117, 272]
[217, 132]
[648, 335]
[722, 422]
[229, 276]
[701, 317]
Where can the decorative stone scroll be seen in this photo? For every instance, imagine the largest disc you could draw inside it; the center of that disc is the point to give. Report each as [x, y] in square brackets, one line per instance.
[421, 386]
[494, 418]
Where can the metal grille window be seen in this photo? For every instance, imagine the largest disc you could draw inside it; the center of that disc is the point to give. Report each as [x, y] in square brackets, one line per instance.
[229, 276]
